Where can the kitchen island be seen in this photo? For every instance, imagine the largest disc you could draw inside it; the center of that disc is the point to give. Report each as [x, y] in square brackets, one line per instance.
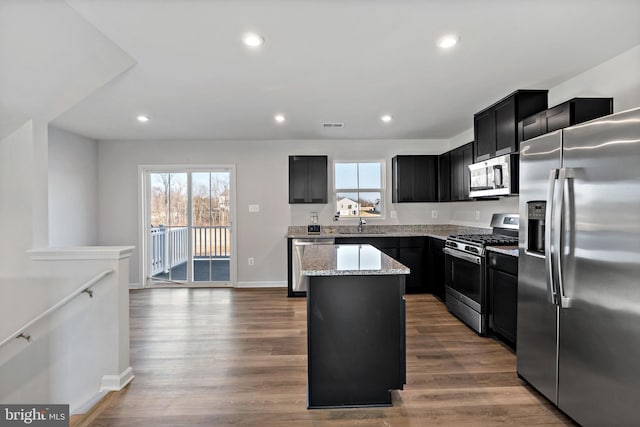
[355, 326]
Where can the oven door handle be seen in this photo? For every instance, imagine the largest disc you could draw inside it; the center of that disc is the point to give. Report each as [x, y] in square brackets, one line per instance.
[467, 257]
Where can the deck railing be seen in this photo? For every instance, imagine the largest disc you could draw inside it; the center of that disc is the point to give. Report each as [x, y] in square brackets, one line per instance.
[211, 241]
[169, 245]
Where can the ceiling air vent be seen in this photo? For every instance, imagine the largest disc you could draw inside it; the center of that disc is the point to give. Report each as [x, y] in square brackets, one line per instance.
[333, 125]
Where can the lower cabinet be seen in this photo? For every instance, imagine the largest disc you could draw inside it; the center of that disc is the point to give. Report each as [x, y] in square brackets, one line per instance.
[436, 268]
[410, 251]
[413, 252]
[502, 282]
[423, 255]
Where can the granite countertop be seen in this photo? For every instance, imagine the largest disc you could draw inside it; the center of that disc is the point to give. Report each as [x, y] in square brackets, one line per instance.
[507, 250]
[439, 231]
[349, 260]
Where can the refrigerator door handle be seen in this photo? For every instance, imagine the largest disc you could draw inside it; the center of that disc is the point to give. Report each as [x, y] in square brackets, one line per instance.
[563, 176]
[548, 235]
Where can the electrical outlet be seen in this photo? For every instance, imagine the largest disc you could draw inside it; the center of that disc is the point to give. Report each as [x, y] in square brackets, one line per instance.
[251, 261]
[434, 214]
[254, 208]
[477, 215]
[394, 214]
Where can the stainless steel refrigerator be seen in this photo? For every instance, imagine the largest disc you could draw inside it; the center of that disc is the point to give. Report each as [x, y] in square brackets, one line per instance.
[578, 339]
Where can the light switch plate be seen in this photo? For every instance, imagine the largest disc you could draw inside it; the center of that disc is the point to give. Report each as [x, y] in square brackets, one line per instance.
[254, 208]
[434, 214]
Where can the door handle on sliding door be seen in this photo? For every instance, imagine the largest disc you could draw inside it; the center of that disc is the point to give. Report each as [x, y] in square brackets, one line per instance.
[563, 177]
[549, 249]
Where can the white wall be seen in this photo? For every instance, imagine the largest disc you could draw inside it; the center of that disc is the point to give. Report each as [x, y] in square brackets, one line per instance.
[16, 199]
[262, 178]
[73, 189]
[618, 78]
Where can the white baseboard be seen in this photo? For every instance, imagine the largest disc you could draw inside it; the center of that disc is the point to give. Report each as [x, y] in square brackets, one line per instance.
[135, 286]
[89, 404]
[117, 382]
[274, 284]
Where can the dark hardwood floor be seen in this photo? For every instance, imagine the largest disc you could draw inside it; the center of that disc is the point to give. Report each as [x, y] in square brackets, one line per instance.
[218, 357]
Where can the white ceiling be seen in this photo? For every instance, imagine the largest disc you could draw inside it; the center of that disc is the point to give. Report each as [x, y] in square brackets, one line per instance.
[335, 61]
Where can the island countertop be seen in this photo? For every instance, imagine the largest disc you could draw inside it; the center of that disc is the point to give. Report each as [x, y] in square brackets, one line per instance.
[349, 260]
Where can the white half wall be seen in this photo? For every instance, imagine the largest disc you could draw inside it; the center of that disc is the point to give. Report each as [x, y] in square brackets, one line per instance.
[16, 201]
[73, 189]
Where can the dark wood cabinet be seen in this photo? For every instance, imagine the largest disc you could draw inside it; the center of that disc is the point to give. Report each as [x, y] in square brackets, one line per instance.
[496, 127]
[502, 277]
[414, 179]
[413, 252]
[308, 179]
[444, 177]
[569, 113]
[461, 158]
[436, 268]
[356, 341]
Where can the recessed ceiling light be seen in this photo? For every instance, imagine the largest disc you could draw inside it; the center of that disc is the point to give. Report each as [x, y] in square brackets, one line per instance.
[279, 118]
[448, 41]
[142, 118]
[386, 118]
[252, 39]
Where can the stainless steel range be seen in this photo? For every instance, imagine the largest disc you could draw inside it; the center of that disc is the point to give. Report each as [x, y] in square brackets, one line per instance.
[465, 269]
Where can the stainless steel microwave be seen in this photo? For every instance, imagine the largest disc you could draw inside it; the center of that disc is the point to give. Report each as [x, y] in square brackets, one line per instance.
[495, 177]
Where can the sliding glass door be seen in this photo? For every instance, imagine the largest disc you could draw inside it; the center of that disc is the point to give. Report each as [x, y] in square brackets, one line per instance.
[189, 218]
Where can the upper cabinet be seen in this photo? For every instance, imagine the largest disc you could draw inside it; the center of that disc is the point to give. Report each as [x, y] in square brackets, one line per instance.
[414, 179]
[308, 179]
[569, 113]
[496, 127]
[454, 179]
[461, 158]
[444, 177]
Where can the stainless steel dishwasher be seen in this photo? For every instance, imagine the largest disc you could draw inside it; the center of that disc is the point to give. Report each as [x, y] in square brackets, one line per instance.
[298, 281]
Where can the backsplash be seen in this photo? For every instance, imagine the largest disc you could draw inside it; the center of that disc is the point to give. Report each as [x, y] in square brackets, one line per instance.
[472, 214]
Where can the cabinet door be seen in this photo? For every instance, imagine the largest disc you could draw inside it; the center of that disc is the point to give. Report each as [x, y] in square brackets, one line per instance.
[506, 127]
[444, 177]
[412, 253]
[414, 179]
[308, 179]
[317, 179]
[402, 177]
[425, 178]
[298, 172]
[436, 267]
[485, 135]
[503, 304]
[558, 117]
[467, 159]
[461, 158]
[533, 126]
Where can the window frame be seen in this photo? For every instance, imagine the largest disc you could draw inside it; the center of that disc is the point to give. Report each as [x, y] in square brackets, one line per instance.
[381, 189]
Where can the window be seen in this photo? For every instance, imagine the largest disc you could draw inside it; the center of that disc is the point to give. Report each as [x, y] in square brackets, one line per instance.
[358, 189]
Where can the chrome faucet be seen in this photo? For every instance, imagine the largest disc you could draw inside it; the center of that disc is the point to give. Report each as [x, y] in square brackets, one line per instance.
[362, 222]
